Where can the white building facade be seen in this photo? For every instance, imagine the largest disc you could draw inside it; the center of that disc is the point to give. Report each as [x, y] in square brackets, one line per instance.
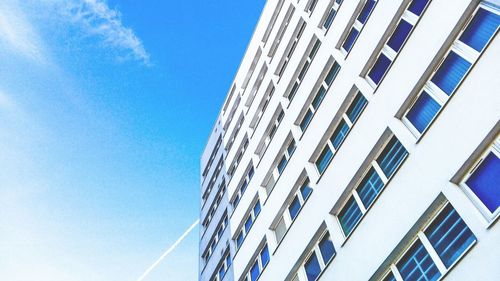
[360, 140]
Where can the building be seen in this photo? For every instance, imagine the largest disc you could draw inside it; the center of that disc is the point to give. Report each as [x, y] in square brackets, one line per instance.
[360, 140]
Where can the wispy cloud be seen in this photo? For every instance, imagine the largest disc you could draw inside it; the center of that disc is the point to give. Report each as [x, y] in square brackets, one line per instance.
[96, 18]
[17, 34]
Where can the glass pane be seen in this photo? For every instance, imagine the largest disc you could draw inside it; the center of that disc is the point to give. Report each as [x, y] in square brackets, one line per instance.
[323, 160]
[312, 267]
[349, 216]
[248, 224]
[291, 148]
[423, 111]
[293, 91]
[481, 29]
[254, 272]
[366, 11]
[449, 235]
[228, 261]
[264, 256]
[282, 164]
[379, 68]
[222, 272]
[451, 72]
[303, 71]
[370, 187]
[356, 107]
[484, 182]
[314, 49]
[417, 265]
[332, 73]
[326, 248]
[280, 230]
[256, 209]
[349, 41]
[239, 240]
[294, 208]
[306, 120]
[399, 36]
[339, 134]
[329, 18]
[417, 6]
[392, 155]
[319, 97]
[305, 190]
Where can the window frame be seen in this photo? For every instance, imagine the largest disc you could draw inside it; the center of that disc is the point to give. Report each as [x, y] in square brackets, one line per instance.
[301, 272]
[478, 203]
[334, 6]
[242, 230]
[438, 95]
[356, 24]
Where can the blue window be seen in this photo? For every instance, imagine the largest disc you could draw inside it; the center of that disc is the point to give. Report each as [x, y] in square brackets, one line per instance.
[332, 73]
[399, 36]
[366, 11]
[256, 209]
[417, 264]
[423, 111]
[323, 160]
[248, 223]
[326, 248]
[370, 187]
[319, 97]
[339, 134]
[392, 155]
[312, 267]
[294, 208]
[306, 120]
[264, 256]
[417, 6]
[451, 72]
[379, 68]
[305, 190]
[239, 239]
[449, 235]
[329, 18]
[282, 164]
[481, 29]
[291, 148]
[357, 105]
[349, 41]
[255, 271]
[349, 216]
[484, 182]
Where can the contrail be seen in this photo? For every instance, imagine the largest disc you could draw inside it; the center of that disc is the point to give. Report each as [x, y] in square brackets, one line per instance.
[169, 250]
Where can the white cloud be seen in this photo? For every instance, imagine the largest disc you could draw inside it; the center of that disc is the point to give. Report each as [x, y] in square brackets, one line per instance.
[17, 34]
[96, 18]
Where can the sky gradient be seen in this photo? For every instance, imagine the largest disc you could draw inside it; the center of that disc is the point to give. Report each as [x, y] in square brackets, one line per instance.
[105, 108]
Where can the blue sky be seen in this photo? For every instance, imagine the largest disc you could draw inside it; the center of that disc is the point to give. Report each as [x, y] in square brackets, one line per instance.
[105, 107]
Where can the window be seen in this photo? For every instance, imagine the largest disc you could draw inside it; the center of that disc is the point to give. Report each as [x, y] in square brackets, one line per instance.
[223, 267]
[448, 75]
[371, 184]
[340, 132]
[435, 249]
[243, 186]
[281, 31]
[320, 94]
[357, 26]
[481, 182]
[262, 106]
[216, 238]
[395, 42]
[258, 265]
[213, 179]
[311, 5]
[277, 170]
[331, 13]
[249, 221]
[294, 41]
[292, 211]
[270, 132]
[303, 69]
[239, 155]
[215, 204]
[318, 259]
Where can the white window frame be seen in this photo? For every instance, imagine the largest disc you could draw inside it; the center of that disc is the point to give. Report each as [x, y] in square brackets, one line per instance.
[301, 273]
[439, 96]
[358, 26]
[243, 231]
[487, 214]
[257, 259]
[334, 6]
